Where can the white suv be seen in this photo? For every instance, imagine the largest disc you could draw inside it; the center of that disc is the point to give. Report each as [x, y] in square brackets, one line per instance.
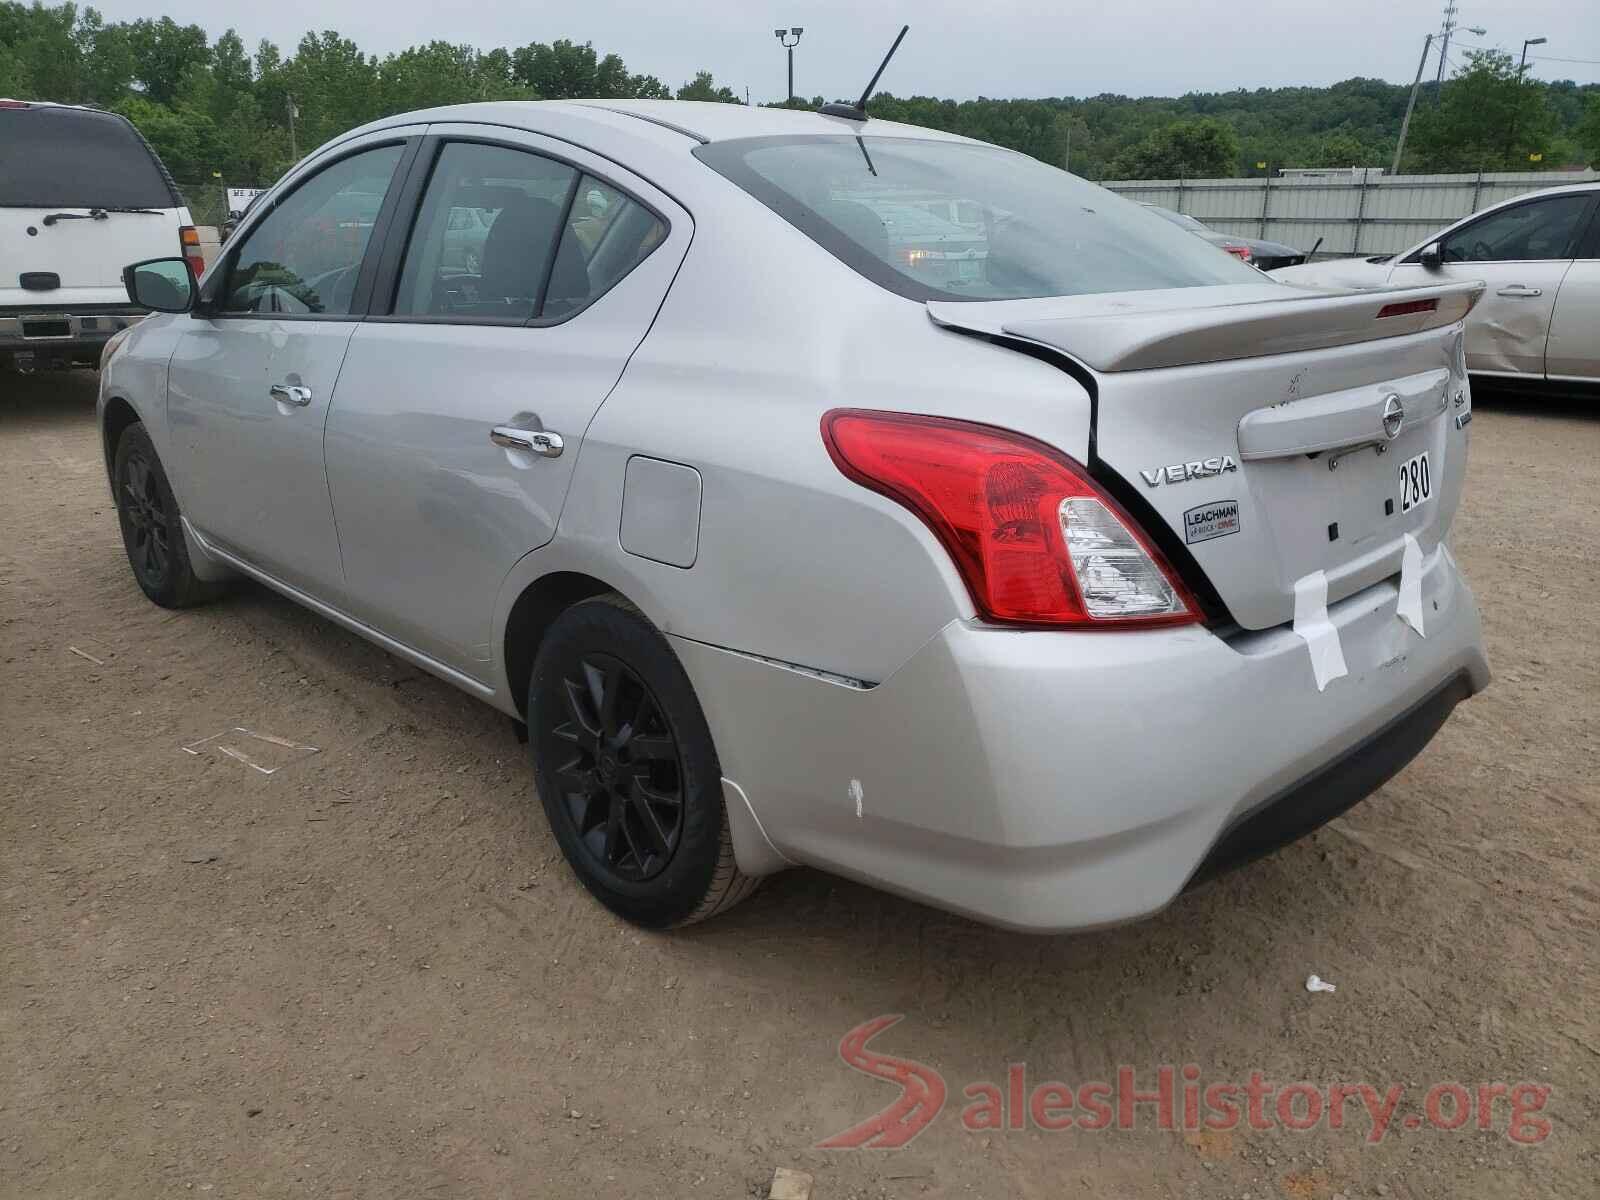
[82, 195]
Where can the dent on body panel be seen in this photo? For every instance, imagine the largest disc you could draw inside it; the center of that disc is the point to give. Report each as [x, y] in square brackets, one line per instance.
[1505, 341]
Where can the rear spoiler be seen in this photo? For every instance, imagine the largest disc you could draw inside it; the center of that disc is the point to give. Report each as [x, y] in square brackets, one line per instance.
[1123, 336]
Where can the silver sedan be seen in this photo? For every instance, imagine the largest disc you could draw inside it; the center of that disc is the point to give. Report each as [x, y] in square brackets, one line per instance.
[1038, 582]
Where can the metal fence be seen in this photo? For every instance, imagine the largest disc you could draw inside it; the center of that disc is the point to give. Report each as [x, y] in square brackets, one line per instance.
[207, 202]
[1361, 214]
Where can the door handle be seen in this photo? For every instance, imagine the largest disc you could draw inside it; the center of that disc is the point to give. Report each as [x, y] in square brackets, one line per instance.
[534, 441]
[290, 393]
[1517, 292]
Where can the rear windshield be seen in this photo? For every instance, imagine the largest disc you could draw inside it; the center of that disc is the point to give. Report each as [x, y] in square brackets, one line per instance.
[71, 158]
[935, 220]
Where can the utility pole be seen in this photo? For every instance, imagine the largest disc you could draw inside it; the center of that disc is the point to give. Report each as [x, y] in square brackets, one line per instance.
[294, 151]
[783, 36]
[1405, 125]
[1445, 30]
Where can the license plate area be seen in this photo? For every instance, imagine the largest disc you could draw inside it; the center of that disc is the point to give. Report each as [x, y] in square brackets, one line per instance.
[1416, 482]
[58, 328]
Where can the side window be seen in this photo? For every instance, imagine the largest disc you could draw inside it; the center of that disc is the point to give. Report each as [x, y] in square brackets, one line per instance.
[607, 234]
[484, 237]
[1543, 229]
[305, 255]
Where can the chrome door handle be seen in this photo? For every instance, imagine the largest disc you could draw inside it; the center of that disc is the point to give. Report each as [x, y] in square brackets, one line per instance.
[1518, 292]
[290, 393]
[535, 441]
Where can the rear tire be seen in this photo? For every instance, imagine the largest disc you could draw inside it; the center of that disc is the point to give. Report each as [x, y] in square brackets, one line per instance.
[626, 769]
[152, 525]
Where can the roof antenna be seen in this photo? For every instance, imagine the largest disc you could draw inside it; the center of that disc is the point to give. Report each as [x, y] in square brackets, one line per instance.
[858, 110]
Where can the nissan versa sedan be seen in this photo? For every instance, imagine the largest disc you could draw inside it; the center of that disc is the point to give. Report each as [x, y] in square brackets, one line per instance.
[1037, 590]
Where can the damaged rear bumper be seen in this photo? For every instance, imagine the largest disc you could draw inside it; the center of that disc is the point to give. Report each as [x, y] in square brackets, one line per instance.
[1050, 781]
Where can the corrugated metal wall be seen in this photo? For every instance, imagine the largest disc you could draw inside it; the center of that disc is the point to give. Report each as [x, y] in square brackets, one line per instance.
[1377, 215]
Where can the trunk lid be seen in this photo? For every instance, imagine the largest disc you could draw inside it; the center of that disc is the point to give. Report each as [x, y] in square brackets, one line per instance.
[1252, 423]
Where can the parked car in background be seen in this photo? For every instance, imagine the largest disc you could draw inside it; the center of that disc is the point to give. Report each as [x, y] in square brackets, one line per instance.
[81, 196]
[1255, 251]
[1013, 587]
[1539, 321]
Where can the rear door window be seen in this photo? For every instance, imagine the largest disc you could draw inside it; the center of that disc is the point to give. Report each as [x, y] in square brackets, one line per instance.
[610, 233]
[484, 240]
[508, 236]
[304, 257]
[54, 157]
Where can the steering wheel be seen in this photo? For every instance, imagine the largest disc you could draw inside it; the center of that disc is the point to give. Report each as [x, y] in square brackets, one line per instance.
[1482, 251]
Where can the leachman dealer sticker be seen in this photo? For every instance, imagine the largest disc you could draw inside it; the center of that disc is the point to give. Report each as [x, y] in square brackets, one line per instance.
[1214, 520]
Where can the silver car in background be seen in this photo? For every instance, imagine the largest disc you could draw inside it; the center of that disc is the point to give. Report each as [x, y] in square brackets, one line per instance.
[1538, 324]
[1035, 583]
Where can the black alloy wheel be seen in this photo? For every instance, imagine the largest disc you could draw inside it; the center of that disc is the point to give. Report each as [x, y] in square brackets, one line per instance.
[152, 525]
[622, 780]
[146, 528]
[626, 769]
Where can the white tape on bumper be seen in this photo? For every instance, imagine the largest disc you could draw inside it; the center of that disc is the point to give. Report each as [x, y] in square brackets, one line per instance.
[1312, 624]
[1410, 606]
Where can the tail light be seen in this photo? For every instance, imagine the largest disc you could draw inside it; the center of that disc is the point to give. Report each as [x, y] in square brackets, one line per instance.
[14, 104]
[1036, 541]
[189, 241]
[1239, 251]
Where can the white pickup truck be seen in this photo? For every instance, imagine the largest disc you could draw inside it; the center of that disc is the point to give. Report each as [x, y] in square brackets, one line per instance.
[82, 195]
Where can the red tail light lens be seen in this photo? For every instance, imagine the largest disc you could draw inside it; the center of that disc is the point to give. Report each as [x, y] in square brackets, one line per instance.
[1036, 541]
[189, 242]
[1240, 252]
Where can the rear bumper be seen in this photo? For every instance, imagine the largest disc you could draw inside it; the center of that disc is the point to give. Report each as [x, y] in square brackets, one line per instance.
[1048, 781]
[69, 332]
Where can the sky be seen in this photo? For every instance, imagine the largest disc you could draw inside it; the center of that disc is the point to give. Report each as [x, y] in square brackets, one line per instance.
[956, 48]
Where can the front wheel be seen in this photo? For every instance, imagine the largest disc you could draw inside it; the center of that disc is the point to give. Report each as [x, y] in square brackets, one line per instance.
[626, 769]
[152, 528]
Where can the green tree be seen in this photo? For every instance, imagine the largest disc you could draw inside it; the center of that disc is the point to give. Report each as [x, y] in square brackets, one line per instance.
[1587, 132]
[1489, 118]
[164, 52]
[1340, 149]
[703, 87]
[1202, 148]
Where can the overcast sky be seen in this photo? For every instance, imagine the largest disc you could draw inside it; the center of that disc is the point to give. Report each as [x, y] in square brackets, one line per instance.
[957, 48]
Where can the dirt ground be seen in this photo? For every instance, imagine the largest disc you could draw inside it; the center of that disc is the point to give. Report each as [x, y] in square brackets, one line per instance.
[371, 974]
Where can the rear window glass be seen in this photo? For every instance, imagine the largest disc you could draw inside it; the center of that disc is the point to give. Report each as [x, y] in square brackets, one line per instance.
[70, 158]
[935, 220]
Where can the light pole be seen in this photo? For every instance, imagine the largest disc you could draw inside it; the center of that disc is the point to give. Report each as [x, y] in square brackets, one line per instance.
[1523, 65]
[783, 36]
[1516, 106]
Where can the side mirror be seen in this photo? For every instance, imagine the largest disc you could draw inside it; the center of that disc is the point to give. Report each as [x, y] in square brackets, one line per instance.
[1430, 257]
[160, 284]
